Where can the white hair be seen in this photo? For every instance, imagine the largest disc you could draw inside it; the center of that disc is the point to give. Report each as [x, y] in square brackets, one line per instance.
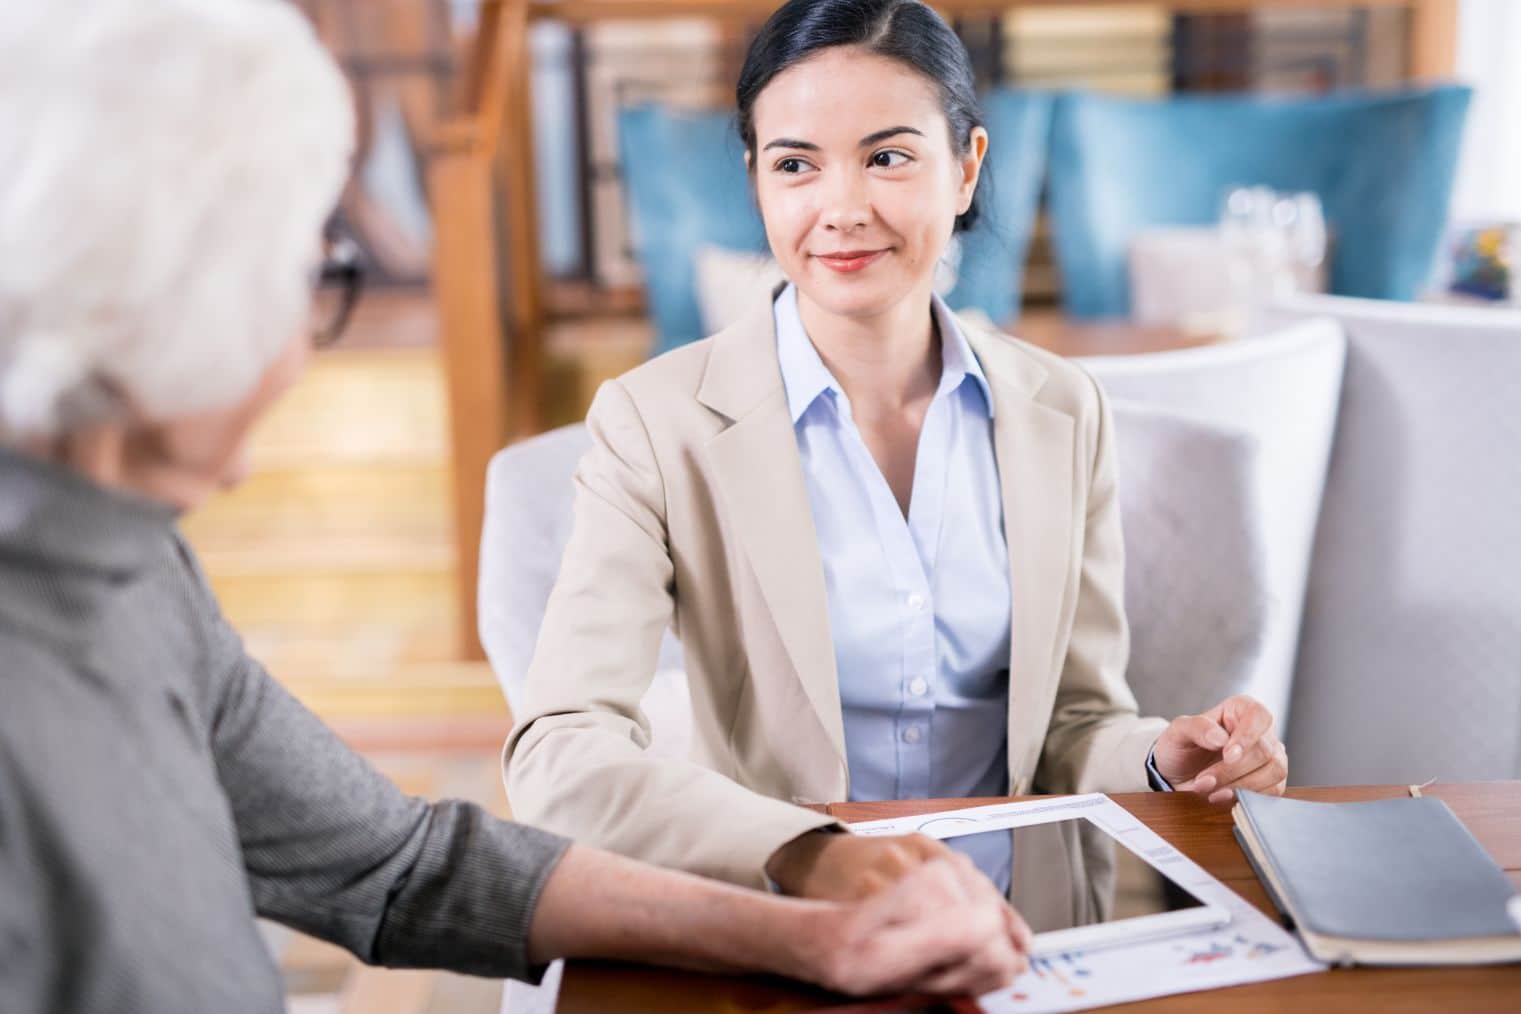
[165, 170]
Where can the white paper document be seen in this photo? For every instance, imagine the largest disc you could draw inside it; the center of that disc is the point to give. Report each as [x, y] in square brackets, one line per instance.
[1251, 948]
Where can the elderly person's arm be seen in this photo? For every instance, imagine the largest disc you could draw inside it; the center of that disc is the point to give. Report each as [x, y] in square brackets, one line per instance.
[942, 929]
[333, 848]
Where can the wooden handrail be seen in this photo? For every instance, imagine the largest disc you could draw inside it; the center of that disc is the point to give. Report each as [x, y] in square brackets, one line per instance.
[493, 76]
[476, 182]
[506, 70]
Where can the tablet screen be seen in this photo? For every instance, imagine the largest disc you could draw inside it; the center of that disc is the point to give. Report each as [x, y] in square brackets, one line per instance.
[1127, 884]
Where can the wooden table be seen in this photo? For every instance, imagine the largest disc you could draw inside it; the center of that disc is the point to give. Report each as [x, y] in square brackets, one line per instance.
[1492, 811]
[1066, 336]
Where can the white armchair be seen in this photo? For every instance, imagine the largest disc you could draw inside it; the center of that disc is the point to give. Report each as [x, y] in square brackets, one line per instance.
[529, 495]
[1188, 605]
[1409, 663]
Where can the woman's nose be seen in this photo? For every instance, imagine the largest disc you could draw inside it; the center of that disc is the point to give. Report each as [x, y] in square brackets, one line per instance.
[846, 207]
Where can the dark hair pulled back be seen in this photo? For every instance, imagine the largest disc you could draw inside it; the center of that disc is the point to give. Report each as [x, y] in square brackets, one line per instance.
[907, 31]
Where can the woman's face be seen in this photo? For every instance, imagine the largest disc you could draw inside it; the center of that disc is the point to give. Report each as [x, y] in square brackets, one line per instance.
[857, 179]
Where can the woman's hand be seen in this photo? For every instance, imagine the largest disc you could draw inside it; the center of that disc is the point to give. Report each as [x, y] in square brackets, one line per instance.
[1231, 746]
[848, 867]
[942, 928]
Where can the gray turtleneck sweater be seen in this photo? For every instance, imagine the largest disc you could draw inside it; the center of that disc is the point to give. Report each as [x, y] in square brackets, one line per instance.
[158, 789]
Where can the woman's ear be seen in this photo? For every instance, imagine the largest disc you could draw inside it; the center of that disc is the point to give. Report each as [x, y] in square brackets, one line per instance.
[971, 167]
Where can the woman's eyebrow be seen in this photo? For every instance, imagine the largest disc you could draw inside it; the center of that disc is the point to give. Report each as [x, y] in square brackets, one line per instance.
[787, 142]
[882, 135]
[865, 142]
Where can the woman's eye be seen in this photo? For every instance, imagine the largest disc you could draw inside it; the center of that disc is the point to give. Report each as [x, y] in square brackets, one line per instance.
[792, 166]
[888, 159]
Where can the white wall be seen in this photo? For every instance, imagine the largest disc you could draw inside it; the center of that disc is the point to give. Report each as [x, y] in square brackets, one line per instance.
[1489, 59]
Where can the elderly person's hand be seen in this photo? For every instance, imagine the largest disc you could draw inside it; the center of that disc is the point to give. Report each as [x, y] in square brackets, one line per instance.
[1231, 746]
[942, 928]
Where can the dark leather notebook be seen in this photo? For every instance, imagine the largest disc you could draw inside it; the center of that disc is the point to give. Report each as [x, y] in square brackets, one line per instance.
[1391, 881]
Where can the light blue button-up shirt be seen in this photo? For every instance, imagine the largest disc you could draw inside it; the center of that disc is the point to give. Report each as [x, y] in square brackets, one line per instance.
[919, 607]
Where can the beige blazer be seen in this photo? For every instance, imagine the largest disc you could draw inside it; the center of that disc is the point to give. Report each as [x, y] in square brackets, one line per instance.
[691, 512]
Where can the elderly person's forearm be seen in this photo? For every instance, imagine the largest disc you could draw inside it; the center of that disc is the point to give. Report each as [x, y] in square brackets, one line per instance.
[943, 929]
[600, 904]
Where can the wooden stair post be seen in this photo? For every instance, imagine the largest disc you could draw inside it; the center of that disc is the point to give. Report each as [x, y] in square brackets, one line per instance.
[481, 193]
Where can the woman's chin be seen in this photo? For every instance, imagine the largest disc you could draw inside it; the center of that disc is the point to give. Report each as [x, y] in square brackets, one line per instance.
[854, 295]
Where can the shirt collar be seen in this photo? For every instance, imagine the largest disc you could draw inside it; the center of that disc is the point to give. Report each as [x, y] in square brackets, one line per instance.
[804, 374]
[958, 360]
[806, 378]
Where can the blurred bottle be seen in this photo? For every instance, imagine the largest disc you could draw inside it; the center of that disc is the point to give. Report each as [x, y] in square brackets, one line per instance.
[1248, 236]
[1308, 241]
[1275, 245]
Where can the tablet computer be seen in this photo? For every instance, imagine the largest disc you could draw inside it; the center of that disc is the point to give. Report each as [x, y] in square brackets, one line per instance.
[1137, 898]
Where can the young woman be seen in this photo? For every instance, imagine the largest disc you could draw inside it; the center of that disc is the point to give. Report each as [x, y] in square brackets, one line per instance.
[888, 539]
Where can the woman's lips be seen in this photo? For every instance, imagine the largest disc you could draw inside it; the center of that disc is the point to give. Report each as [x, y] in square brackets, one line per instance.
[851, 261]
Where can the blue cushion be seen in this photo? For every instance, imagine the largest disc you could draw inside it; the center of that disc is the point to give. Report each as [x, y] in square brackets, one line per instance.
[685, 182]
[1382, 166]
[993, 253]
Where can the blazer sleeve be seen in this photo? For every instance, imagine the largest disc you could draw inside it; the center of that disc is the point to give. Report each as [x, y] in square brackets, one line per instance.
[1096, 741]
[576, 762]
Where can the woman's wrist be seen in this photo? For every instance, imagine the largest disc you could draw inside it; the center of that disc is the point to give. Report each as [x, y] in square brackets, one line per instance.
[791, 863]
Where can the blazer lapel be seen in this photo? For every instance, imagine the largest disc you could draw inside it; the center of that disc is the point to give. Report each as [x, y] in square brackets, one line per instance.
[759, 474]
[1033, 445]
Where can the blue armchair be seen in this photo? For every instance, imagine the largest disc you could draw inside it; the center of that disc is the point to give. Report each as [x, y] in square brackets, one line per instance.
[1382, 166]
[685, 181]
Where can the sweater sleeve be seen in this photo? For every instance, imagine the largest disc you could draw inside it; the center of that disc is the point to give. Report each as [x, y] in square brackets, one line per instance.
[335, 850]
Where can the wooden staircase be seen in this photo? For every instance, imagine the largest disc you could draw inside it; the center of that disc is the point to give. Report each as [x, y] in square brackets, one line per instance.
[336, 558]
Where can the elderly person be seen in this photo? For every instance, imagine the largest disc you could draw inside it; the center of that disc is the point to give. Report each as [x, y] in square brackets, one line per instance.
[165, 169]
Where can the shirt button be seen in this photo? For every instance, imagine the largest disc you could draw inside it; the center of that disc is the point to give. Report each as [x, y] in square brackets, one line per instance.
[912, 734]
[918, 686]
[916, 602]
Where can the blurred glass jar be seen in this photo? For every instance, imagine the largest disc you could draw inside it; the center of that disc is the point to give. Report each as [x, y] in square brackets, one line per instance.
[1206, 280]
[1275, 244]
